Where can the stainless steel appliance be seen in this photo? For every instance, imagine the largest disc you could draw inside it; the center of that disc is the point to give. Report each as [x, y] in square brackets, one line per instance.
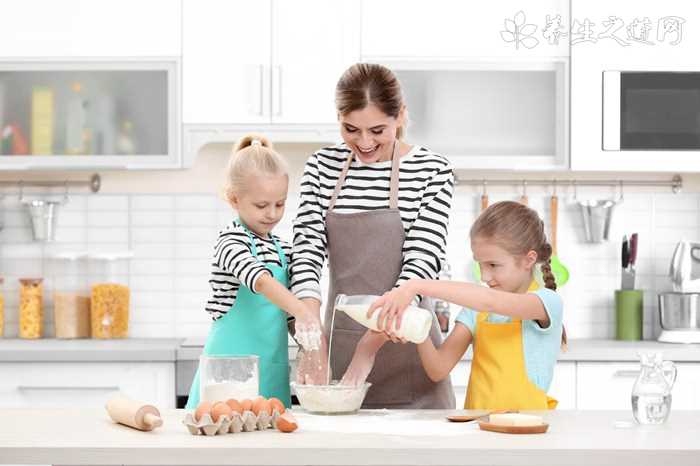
[651, 110]
[685, 267]
[679, 311]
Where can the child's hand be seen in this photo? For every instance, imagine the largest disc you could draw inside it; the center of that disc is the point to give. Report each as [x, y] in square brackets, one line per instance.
[392, 304]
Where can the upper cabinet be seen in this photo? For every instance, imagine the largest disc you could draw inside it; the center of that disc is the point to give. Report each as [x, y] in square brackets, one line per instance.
[91, 28]
[489, 115]
[89, 114]
[460, 29]
[635, 86]
[269, 61]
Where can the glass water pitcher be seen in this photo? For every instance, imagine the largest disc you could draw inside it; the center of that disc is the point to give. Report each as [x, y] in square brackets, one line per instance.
[651, 394]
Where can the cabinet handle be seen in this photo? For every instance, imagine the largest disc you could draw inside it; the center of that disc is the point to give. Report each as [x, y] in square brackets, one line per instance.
[278, 97]
[65, 387]
[626, 374]
[261, 72]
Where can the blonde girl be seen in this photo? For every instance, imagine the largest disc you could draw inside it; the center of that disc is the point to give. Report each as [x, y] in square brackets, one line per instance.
[249, 276]
[516, 334]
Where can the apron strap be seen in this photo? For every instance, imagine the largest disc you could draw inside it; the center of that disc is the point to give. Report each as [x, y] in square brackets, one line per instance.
[253, 248]
[280, 252]
[393, 187]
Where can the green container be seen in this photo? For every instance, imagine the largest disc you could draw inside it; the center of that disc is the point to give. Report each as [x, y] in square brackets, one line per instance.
[629, 314]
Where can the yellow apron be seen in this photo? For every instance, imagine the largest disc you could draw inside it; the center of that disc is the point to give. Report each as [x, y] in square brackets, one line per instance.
[498, 377]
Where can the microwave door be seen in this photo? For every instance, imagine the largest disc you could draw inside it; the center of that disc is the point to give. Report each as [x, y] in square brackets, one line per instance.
[659, 111]
[611, 110]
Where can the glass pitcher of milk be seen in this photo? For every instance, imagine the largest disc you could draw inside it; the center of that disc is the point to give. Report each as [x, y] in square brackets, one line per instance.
[651, 393]
[415, 323]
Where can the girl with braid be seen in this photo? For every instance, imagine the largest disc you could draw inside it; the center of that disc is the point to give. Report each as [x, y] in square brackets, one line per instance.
[516, 334]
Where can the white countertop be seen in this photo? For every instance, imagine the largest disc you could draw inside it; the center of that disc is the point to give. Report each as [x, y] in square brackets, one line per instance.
[172, 349]
[381, 437]
[88, 350]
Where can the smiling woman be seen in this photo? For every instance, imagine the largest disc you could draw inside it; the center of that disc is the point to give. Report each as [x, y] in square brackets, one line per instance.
[378, 208]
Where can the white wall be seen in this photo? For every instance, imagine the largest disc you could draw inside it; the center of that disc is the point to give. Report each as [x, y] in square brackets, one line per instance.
[170, 219]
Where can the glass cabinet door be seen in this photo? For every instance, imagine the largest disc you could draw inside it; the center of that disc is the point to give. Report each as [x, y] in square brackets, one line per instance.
[89, 115]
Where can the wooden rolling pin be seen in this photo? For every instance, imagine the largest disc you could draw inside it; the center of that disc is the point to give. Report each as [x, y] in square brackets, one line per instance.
[133, 413]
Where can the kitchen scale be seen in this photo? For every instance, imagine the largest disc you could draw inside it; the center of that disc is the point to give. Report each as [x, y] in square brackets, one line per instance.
[680, 336]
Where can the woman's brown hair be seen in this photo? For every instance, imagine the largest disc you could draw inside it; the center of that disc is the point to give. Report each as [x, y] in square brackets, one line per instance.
[368, 83]
[518, 229]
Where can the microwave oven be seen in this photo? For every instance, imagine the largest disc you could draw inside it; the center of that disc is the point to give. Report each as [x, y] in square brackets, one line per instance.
[651, 110]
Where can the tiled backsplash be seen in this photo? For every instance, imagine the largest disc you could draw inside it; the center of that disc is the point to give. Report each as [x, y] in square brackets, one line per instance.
[172, 238]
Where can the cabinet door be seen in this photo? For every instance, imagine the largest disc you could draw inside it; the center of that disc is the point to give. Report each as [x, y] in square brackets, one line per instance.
[446, 28]
[67, 385]
[563, 387]
[460, 381]
[609, 386]
[226, 58]
[314, 41]
[91, 28]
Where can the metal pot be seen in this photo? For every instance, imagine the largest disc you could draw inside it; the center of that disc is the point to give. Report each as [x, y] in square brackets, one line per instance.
[597, 216]
[42, 214]
[679, 311]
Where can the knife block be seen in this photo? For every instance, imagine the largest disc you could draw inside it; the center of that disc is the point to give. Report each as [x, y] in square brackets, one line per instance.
[629, 314]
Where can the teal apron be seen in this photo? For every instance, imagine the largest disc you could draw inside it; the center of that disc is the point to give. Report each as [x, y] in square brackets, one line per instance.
[254, 325]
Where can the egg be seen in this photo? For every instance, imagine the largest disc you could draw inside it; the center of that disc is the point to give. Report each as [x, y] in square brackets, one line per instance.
[287, 423]
[277, 405]
[260, 405]
[220, 409]
[235, 406]
[203, 408]
[247, 405]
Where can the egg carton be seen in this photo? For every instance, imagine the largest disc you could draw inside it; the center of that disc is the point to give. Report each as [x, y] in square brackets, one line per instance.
[233, 424]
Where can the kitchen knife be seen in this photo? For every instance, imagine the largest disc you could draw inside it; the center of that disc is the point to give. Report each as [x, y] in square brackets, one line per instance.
[634, 247]
[626, 282]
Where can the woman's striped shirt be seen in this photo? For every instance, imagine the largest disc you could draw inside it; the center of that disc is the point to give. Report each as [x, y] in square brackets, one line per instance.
[426, 183]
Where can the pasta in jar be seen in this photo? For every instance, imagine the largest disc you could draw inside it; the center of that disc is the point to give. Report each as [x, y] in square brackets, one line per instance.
[109, 310]
[31, 308]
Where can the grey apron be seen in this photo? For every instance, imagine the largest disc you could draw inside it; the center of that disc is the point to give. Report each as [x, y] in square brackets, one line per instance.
[365, 256]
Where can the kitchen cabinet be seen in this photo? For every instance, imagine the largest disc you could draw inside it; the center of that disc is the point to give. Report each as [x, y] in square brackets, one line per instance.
[655, 49]
[84, 384]
[489, 114]
[272, 61]
[609, 385]
[449, 29]
[90, 114]
[91, 28]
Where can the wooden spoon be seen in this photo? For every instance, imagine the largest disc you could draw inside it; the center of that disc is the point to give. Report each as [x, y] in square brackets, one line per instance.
[560, 272]
[476, 416]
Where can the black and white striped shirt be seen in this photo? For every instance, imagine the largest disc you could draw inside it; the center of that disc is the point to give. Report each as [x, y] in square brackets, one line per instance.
[233, 263]
[426, 183]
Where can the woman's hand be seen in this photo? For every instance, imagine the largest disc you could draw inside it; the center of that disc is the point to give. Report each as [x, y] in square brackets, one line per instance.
[363, 359]
[392, 304]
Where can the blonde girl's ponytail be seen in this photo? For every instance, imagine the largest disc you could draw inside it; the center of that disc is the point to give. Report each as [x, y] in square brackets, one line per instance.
[253, 154]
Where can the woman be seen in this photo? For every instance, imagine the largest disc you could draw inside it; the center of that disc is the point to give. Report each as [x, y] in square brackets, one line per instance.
[377, 207]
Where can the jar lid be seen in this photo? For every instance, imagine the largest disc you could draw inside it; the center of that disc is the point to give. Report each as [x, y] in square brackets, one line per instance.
[31, 281]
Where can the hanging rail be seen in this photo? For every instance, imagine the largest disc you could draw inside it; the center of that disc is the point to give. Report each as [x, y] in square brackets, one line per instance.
[676, 183]
[93, 183]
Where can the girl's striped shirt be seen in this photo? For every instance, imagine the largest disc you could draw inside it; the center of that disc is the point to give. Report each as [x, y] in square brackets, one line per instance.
[233, 263]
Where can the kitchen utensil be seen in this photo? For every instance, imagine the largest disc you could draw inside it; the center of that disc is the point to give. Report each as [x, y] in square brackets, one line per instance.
[43, 215]
[559, 270]
[541, 429]
[133, 413]
[222, 377]
[651, 393]
[331, 399]
[627, 278]
[475, 415]
[685, 267]
[476, 268]
[597, 216]
[679, 317]
[523, 197]
[629, 314]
